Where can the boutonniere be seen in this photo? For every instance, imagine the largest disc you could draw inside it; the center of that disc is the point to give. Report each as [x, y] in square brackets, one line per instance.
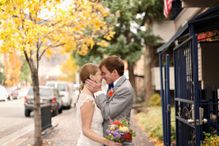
[110, 93]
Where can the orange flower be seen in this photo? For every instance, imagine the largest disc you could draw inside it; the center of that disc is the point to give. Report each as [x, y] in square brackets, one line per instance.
[110, 93]
[116, 122]
[119, 131]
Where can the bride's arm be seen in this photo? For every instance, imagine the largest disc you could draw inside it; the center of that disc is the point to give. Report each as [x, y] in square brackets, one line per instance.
[87, 111]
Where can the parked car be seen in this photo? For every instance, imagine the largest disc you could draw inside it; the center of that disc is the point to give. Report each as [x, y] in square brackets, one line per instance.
[76, 89]
[65, 89]
[22, 92]
[48, 95]
[4, 96]
[13, 92]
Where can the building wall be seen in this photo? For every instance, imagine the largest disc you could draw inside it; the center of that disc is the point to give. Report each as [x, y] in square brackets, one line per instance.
[50, 68]
[156, 78]
[139, 67]
[139, 77]
[165, 30]
[185, 15]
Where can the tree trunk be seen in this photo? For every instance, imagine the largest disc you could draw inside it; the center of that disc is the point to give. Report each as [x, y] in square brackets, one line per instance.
[132, 77]
[37, 109]
[147, 73]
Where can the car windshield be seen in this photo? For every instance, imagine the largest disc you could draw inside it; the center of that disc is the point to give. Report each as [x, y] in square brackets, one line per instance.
[44, 92]
[51, 85]
[3, 91]
[61, 87]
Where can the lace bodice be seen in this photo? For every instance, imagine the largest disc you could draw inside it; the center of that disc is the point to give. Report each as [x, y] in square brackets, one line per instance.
[96, 124]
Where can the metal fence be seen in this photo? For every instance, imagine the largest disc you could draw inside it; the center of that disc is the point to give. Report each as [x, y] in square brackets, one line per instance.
[195, 99]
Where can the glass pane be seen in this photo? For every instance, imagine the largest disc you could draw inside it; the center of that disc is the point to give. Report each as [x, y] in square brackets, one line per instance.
[45, 92]
[62, 87]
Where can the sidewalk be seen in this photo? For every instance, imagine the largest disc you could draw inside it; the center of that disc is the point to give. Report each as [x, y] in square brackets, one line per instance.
[65, 133]
[141, 139]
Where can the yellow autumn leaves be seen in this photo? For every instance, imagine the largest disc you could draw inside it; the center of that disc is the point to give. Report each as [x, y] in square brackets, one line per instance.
[77, 28]
[2, 2]
[69, 69]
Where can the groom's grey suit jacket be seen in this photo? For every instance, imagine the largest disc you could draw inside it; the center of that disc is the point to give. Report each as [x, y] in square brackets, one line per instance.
[119, 105]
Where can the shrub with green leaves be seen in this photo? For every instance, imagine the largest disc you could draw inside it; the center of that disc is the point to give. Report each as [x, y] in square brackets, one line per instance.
[152, 122]
[210, 139]
[155, 100]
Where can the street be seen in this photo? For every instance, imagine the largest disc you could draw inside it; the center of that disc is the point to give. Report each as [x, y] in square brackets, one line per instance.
[13, 122]
[63, 133]
[17, 130]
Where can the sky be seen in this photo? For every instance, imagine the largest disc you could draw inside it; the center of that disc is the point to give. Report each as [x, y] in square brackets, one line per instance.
[45, 14]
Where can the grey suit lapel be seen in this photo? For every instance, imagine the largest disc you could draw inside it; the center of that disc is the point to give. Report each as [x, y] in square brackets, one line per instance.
[120, 82]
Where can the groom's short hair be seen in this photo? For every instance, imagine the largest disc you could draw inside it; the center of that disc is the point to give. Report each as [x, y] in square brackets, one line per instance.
[113, 63]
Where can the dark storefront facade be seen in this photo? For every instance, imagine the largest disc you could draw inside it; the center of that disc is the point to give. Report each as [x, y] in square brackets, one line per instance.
[194, 53]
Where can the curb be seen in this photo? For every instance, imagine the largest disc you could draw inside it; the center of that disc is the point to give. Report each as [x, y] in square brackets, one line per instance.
[49, 130]
[16, 136]
[25, 138]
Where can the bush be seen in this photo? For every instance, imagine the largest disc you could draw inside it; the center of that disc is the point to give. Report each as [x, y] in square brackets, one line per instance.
[155, 100]
[210, 139]
[152, 122]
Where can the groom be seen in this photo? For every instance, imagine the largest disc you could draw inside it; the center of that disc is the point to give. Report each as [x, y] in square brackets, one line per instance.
[118, 101]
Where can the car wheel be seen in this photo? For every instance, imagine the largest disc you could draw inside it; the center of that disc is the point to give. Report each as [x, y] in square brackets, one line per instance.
[8, 98]
[69, 106]
[55, 112]
[60, 110]
[27, 113]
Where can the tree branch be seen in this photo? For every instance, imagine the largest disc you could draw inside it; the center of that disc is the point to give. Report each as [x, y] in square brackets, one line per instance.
[50, 46]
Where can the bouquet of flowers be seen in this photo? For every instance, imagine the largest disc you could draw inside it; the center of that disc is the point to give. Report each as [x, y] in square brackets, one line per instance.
[119, 131]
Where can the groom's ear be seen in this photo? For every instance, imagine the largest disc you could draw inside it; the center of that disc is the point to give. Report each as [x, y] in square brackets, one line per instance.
[115, 72]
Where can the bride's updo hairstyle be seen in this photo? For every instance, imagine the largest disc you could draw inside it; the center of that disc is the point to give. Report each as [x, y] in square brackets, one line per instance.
[87, 70]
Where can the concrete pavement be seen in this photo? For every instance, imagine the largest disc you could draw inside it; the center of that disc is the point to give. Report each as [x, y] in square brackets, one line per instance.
[64, 132]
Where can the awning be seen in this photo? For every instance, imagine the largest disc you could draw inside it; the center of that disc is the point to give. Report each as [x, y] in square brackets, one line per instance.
[199, 3]
[206, 21]
[174, 37]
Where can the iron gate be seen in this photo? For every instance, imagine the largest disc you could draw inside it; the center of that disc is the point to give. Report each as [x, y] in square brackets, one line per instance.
[166, 99]
[196, 107]
[186, 99]
[196, 87]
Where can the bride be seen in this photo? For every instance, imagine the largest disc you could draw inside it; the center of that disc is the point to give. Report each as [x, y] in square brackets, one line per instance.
[89, 114]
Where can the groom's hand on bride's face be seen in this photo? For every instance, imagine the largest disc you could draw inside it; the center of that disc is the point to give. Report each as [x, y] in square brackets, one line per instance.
[92, 85]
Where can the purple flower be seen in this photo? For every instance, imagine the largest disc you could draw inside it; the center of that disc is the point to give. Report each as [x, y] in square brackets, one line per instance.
[108, 131]
[116, 134]
[119, 131]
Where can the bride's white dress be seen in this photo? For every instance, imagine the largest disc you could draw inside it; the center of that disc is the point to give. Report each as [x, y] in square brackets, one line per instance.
[96, 124]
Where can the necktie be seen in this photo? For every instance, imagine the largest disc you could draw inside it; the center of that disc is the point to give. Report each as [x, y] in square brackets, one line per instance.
[110, 86]
[110, 90]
